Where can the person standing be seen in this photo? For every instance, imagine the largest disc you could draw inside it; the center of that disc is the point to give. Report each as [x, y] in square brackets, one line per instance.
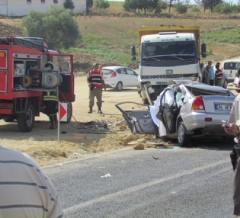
[232, 127]
[26, 192]
[218, 75]
[50, 99]
[209, 74]
[96, 84]
[236, 81]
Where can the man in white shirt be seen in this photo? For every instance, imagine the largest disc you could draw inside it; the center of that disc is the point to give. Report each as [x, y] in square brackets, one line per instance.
[233, 128]
[24, 189]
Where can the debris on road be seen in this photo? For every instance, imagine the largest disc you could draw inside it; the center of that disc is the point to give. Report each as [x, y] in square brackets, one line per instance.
[94, 127]
[108, 175]
[139, 147]
[155, 158]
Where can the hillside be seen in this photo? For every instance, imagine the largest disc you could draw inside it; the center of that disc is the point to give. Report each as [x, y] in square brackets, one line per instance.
[108, 39]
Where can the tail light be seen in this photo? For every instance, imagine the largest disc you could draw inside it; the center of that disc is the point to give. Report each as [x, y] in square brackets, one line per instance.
[114, 74]
[198, 104]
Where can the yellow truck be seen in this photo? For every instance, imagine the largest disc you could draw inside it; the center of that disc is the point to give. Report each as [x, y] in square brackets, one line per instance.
[167, 53]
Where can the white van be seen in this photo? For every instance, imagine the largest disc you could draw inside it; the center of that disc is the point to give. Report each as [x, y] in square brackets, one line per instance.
[230, 68]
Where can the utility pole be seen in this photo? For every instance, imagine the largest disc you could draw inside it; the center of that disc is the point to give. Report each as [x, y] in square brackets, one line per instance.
[7, 8]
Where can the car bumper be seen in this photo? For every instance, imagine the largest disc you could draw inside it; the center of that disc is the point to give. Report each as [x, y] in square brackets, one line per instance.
[207, 123]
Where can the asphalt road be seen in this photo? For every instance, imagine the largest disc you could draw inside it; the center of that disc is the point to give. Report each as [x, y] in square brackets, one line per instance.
[172, 183]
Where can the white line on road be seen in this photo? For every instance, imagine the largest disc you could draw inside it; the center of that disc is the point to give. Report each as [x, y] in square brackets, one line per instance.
[140, 187]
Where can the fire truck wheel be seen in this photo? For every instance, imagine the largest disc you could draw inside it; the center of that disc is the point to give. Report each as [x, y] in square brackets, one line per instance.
[26, 120]
[9, 119]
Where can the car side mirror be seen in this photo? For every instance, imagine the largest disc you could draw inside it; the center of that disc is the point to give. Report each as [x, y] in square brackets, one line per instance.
[204, 50]
[133, 53]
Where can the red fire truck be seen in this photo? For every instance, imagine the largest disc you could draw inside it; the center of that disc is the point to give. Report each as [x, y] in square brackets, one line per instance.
[24, 80]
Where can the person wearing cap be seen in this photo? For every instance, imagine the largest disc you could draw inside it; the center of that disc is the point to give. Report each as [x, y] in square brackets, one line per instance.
[232, 127]
[96, 84]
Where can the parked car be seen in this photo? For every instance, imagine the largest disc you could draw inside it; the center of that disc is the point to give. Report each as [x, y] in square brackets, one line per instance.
[119, 77]
[184, 111]
[230, 68]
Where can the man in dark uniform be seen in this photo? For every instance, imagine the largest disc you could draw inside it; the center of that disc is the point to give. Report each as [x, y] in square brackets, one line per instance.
[50, 99]
[51, 107]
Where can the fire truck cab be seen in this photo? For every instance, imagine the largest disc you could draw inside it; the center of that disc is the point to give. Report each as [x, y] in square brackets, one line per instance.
[24, 79]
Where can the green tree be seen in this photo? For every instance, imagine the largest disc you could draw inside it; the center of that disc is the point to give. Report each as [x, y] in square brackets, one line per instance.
[227, 8]
[210, 4]
[161, 5]
[144, 5]
[68, 4]
[170, 5]
[56, 26]
[102, 4]
[181, 8]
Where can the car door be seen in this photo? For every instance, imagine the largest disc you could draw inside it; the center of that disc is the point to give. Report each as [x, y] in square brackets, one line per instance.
[139, 120]
[132, 77]
[169, 110]
[122, 73]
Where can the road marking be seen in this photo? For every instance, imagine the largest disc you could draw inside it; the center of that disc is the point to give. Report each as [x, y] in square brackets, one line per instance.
[140, 187]
[152, 201]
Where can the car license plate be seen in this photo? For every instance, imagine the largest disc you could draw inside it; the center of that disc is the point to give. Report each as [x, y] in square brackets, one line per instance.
[222, 106]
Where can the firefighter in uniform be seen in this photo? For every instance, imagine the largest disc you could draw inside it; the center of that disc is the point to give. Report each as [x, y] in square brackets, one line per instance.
[96, 84]
[51, 107]
[50, 99]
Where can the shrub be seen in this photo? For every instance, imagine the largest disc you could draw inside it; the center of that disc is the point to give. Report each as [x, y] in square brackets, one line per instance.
[161, 5]
[181, 8]
[227, 8]
[196, 9]
[56, 26]
[102, 4]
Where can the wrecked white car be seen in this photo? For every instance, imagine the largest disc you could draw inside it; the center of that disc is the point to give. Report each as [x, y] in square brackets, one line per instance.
[183, 111]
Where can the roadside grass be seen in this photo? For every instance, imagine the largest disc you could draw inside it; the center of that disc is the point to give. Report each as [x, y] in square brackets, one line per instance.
[223, 36]
[108, 39]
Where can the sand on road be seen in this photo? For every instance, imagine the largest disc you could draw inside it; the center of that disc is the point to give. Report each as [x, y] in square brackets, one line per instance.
[76, 141]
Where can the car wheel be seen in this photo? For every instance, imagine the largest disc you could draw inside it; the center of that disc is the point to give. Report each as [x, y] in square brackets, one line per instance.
[119, 86]
[182, 137]
[26, 120]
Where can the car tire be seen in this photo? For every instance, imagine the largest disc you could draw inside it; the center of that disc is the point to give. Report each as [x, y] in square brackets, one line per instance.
[182, 137]
[26, 120]
[119, 86]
